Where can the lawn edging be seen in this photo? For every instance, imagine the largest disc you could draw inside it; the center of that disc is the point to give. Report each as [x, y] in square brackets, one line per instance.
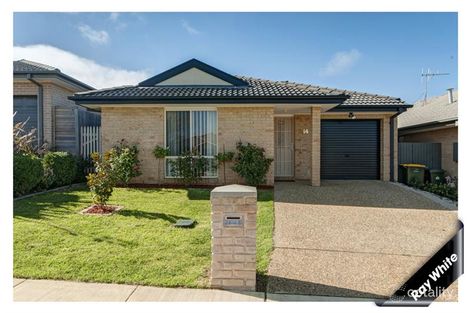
[61, 188]
[445, 202]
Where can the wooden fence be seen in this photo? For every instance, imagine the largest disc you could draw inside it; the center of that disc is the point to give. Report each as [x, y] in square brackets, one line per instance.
[90, 141]
[68, 124]
[428, 154]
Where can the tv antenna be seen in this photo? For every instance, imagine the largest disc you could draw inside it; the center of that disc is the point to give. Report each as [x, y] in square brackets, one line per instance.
[427, 76]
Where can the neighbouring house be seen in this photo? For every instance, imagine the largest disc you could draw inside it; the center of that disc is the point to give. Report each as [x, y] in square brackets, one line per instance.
[434, 121]
[40, 95]
[311, 132]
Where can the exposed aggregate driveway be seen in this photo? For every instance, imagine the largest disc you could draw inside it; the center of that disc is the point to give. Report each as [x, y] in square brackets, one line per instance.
[359, 239]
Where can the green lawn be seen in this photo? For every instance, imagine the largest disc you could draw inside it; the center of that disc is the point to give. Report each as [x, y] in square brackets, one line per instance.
[137, 245]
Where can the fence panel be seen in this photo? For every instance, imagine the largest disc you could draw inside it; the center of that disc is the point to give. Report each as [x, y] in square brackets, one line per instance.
[90, 139]
[428, 154]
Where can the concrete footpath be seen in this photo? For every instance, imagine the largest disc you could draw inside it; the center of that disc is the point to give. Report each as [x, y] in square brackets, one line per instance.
[57, 290]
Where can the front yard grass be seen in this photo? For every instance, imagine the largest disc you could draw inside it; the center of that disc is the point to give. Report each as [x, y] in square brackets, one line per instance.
[137, 245]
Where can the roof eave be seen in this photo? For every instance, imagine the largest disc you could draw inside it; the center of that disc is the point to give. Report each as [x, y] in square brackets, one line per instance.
[429, 124]
[55, 74]
[399, 108]
[139, 100]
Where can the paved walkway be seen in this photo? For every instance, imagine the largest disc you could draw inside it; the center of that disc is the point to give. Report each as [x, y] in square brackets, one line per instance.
[58, 290]
[352, 238]
[55, 290]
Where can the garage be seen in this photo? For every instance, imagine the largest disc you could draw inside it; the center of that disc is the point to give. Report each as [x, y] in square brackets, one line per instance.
[350, 149]
[26, 107]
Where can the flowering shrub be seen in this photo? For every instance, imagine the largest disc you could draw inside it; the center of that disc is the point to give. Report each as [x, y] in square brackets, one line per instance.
[251, 163]
[103, 180]
[125, 162]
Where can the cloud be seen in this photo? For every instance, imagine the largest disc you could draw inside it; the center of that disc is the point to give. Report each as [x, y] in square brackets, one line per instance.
[119, 25]
[191, 30]
[95, 36]
[114, 16]
[341, 62]
[85, 70]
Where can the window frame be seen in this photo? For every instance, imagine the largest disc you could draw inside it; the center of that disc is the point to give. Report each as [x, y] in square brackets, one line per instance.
[191, 109]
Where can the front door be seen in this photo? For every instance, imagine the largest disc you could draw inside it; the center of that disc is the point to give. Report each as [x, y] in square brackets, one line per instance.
[284, 148]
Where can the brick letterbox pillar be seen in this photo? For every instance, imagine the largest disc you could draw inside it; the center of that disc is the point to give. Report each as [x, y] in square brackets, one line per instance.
[233, 237]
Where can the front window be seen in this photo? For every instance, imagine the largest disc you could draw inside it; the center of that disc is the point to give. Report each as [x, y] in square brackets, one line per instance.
[192, 130]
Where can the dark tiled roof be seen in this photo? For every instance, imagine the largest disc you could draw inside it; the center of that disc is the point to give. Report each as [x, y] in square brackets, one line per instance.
[256, 88]
[23, 67]
[26, 66]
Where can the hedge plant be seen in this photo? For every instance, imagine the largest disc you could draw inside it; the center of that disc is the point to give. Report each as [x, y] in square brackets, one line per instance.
[60, 169]
[251, 163]
[27, 173]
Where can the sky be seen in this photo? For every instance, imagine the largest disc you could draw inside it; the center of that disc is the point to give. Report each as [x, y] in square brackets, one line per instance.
[381, 53]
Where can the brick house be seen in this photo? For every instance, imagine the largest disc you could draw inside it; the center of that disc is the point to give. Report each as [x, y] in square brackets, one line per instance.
[40, 95]
[311, 132]
[434, 121]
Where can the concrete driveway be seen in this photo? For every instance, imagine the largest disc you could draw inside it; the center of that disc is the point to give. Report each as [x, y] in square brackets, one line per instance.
[353, 238]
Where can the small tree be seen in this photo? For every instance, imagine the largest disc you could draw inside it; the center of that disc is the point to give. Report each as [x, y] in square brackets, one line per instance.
[189, 167]
[251, 163]
[223, 158]
[160, 153]
[103, 180]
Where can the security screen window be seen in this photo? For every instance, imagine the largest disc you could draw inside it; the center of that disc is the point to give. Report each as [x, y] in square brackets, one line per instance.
[192, 130]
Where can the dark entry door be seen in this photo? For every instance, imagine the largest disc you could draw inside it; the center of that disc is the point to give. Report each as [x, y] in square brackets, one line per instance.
[350, 149]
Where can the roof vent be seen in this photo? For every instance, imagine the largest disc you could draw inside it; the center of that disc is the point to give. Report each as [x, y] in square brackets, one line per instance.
[450, 95]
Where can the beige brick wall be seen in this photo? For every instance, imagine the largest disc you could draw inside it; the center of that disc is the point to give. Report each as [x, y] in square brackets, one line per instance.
[141, 126]
[253, 125]
[302, 147]
[53, 95]
[444, 136]
[145, 127]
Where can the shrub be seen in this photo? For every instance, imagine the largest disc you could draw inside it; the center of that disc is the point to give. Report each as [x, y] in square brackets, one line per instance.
[251, 163]
[189, 167]
[160, 153]
[125, 162]
[103, 180]
[27, 173]
[82, 166]
[449, 189]
[60, 169]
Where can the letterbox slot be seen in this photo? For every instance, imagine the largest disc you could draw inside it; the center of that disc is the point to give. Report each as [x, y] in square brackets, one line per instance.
[233, 220]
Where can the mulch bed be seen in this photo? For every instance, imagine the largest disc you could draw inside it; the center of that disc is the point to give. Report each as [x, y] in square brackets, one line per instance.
[97, 209]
